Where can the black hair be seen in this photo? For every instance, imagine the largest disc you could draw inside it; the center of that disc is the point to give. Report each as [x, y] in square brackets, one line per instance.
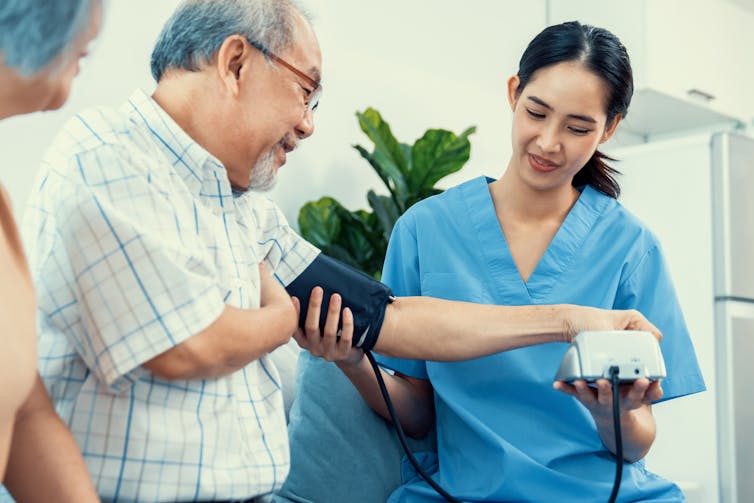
[603, 54]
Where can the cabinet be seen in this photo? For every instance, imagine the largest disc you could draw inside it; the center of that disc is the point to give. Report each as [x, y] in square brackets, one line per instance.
[691, 59]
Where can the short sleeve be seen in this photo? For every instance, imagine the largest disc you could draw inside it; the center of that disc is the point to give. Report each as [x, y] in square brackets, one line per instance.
[401, 273]
[142, 279]
[649, 289]
[285, 252]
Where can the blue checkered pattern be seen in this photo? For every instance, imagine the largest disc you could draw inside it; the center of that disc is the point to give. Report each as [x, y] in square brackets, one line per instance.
[136, 242]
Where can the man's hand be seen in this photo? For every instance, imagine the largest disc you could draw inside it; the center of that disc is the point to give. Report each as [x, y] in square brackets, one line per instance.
[272, 295]
[271, 291]
[588, 318]
[332, 345]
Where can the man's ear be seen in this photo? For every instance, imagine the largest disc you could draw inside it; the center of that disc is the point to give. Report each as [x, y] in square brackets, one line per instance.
[513, 84]
[233, 54]
[610, 129]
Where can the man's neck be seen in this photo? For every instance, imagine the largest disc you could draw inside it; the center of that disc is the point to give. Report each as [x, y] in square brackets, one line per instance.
[183, 97]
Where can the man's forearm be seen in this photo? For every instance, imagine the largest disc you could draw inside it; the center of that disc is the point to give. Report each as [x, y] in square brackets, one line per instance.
[236, 338]
[432, 329]
[45, 463]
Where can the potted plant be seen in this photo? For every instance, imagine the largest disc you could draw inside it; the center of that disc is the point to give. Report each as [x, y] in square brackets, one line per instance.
[409, 172]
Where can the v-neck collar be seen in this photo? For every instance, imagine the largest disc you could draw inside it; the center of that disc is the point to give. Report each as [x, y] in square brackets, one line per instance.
[560, 253]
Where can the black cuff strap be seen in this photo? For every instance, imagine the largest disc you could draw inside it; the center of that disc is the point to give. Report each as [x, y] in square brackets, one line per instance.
[365, 296]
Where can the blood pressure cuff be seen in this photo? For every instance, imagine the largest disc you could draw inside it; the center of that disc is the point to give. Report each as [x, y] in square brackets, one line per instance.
[365, 296]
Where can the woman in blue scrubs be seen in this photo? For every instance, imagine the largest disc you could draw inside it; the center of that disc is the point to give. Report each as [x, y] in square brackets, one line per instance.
[549, 231]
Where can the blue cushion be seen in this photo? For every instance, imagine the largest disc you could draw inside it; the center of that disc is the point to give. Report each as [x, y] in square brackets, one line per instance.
[341, 450]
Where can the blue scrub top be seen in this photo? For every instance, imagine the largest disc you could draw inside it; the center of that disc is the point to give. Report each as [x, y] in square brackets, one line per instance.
[503, 433]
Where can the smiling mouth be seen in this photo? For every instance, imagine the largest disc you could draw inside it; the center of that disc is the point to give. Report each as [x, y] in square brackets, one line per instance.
[542, 164]
[287, 147]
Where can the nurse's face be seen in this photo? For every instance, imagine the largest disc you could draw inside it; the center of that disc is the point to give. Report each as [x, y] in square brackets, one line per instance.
[559, 119]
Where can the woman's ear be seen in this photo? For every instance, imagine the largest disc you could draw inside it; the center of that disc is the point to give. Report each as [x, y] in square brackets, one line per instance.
[233, 54]
[513, 84]
[610, 128]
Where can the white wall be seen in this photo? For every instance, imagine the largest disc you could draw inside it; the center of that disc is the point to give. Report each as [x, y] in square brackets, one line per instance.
[118, 63]
[421, 63]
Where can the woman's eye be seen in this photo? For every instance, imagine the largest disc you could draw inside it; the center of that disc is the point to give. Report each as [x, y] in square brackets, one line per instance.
[534, 114]
[579, 131]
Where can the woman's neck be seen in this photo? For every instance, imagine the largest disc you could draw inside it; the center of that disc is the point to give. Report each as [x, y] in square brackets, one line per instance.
[515, 199]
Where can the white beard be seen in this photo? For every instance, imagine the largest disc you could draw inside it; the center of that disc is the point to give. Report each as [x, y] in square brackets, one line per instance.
[264, 173]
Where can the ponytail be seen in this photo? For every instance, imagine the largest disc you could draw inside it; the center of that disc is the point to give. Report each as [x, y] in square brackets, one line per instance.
[597, 173]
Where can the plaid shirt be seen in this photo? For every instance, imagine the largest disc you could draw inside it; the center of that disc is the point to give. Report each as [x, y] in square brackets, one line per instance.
[136, 242]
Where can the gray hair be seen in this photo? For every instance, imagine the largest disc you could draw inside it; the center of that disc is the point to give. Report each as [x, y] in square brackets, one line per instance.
[34, 32]
[196, 30]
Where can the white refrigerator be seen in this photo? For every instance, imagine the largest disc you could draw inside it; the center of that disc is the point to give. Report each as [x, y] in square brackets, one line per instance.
[697, 195]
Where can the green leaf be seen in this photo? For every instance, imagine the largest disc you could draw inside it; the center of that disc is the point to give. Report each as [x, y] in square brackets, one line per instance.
[339, 252]
[361, 237]
[397, 190]
[362, 222]
[388, 152]
[435, 155]
[386, 211]
[406, 150]
[319, 221]
[423, 195]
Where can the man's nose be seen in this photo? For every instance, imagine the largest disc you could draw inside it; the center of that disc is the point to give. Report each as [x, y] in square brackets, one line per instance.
[305, 128]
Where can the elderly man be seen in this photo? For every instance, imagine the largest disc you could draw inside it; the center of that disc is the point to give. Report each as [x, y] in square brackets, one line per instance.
[159, 273]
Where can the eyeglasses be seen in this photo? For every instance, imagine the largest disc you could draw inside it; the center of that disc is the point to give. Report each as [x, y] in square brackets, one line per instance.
[313, 94]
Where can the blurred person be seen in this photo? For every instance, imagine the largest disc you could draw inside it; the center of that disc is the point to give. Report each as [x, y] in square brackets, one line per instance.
[40, 47]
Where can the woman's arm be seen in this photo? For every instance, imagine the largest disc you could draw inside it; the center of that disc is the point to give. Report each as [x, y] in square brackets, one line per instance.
[638, 428]
[45, 462]
[412, 398]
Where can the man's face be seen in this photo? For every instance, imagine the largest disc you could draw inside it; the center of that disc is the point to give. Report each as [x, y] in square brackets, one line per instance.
[274, 115]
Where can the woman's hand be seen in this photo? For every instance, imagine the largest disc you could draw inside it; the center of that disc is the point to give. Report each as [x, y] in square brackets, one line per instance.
[332, 344]
[637, 424]
[599, 400]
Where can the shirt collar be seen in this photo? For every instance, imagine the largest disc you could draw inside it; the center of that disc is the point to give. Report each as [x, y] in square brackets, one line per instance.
[202, 173]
